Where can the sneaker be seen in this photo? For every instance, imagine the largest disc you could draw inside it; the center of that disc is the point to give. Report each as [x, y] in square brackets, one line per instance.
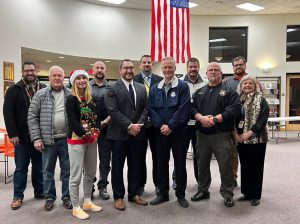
[80, 214]
[103, 194]
[90, 206]
[16, 204]
[49, 205]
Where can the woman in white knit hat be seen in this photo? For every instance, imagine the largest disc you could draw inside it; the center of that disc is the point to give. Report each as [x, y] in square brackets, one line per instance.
[82, 139]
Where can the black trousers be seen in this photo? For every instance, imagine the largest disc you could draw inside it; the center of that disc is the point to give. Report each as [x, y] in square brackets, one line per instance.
[178, 142]
[143, 167]
[104, 153]
[252, 158]
[130, 149]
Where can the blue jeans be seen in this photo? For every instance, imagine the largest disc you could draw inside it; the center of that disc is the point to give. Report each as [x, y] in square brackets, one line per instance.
[23, 154]
[50, 153]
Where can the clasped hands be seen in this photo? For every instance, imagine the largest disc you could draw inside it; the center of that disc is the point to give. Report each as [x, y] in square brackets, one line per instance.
[134, 129]
[206, 121]
[243, 137]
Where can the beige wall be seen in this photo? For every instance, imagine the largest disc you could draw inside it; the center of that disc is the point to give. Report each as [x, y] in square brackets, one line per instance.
[83, 29]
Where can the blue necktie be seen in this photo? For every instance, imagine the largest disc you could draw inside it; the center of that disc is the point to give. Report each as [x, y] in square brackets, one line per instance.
[131, 94]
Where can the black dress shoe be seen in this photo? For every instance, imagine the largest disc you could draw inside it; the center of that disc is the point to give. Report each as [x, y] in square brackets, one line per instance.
[255, 202]
[49, 205]
[228, 202]
[200, 196]
[183, 202]
[159, 199]
[67, 203]
[39, 195]
[244, 198]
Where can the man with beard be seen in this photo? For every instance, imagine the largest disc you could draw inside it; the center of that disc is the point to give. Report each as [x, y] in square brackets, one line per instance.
[98, 86]
[239, 69]
[214, 109]
[147, 78]
[48, 128]
[195, 81]
[126, 103]
[15, 110]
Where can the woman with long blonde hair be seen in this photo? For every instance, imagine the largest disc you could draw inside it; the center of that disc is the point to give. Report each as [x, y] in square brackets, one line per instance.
[82, 139]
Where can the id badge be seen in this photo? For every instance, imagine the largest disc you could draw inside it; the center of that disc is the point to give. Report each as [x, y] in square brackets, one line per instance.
[241, 124]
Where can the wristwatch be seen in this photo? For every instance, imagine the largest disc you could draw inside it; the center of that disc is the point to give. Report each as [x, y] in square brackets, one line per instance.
[215, 120]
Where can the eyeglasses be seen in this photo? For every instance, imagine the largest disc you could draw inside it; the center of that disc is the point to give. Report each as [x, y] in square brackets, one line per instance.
[238, 65]
[29, 70]
[128, 68]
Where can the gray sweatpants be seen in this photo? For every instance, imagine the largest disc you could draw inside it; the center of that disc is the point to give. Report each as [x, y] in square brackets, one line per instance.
[83, 160]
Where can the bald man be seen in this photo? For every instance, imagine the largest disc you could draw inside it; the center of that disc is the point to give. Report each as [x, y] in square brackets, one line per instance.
[214, 109]
[48, 127]
[98, 85]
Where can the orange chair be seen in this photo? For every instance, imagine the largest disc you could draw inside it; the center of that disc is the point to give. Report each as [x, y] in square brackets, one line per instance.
[8, 150]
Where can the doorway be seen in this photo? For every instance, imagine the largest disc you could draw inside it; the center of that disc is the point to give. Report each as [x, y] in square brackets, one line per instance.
[293, 100]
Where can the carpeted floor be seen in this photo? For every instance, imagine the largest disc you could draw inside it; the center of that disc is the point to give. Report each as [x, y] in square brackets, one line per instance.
[280, 202]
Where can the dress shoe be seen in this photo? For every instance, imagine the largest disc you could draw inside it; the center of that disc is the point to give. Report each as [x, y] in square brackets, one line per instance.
[255, 202]
[103, 194]
[244, 198]
[119, 204]
[183, 202]
[49, 205]
[138, 200]
[159, 199]
[200, 196]
[39, 195]
[228, 202]
[16, 204]
[67, 203]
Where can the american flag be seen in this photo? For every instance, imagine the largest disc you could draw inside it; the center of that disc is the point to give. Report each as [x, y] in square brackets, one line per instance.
[170, 30]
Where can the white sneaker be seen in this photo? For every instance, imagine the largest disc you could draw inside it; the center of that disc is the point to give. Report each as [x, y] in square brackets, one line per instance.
[80, 214]
[90, 206]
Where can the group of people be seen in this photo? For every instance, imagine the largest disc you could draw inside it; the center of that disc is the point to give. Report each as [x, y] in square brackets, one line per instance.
[226, 118]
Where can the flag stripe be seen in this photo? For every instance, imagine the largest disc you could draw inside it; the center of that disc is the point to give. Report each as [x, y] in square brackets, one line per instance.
[170, 30]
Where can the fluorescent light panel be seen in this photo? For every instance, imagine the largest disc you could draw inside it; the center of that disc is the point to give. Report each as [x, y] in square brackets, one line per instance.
[250, 7]
[291, 30]
[116, 2]
[217, 40]
[192, 5]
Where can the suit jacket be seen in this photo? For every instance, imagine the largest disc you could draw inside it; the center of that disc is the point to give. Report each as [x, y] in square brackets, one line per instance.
[122, 111]
[154, 79]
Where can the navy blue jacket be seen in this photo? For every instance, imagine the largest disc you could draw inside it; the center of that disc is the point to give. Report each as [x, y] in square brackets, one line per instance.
[173, 108]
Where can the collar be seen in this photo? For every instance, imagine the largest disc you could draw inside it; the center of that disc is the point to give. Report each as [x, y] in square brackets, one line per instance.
[199, 79]
[126, 83]
[236, 77]
[93, 83]
[174, 83]
[149, 76]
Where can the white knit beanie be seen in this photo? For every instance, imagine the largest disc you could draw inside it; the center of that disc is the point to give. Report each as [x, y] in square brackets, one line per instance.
[77, 73]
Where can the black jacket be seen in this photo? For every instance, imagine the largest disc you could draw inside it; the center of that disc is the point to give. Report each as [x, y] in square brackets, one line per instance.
[15, 110]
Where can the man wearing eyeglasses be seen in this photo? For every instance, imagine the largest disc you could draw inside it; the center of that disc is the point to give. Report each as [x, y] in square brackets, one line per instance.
[15, 109]
[148, 79]
[239, 69]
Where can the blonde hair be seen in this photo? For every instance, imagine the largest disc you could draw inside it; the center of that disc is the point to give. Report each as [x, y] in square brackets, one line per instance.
[87, 92]
[245, 78]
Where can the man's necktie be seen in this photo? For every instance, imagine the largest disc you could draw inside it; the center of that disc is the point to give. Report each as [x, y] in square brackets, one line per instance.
[131, 94]
[147, 85]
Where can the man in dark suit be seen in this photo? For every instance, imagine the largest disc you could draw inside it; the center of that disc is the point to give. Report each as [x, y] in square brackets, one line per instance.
[126, 103]
[148, 79]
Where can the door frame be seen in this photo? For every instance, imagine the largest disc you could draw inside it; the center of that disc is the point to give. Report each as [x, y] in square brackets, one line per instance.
[290, 127]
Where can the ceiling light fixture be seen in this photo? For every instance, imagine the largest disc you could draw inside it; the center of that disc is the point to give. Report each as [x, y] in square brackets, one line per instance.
[48, 61]
[219, 58]
[61, 57]
[107, 61]
[250, 7]
[291, 30]
[116, 2]
[192, 5]
[217, 40]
